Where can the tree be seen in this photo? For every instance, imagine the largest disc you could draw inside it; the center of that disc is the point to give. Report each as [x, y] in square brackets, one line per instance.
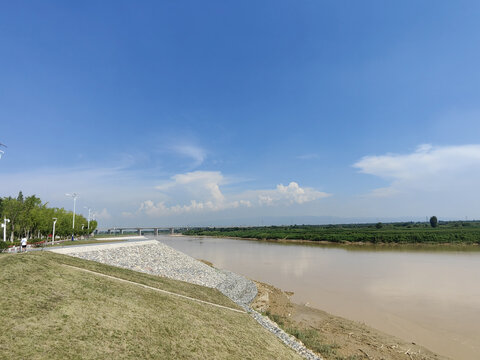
[26, 220]
[93, 225]
[379, 225]
[433, 221]
[12, 209]
[31, 218]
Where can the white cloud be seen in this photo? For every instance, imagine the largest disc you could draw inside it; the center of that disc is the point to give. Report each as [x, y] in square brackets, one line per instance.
[198, 185]
[122, 195]
[102, 215]
[295, 193]
[429, 168]
[427, 160]
[264, 199]
[200, 191]
[286, 195]
[190, 192]
[194, 152]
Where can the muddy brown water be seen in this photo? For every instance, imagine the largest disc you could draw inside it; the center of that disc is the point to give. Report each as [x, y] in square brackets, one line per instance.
[429, 296]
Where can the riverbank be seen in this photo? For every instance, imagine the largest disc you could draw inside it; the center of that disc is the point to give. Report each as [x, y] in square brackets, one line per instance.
[156, 258]
[424, 296]
[355, 245]
[333, 336]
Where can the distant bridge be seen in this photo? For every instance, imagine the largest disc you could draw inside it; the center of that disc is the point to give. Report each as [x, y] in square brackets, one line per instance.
[139, 230]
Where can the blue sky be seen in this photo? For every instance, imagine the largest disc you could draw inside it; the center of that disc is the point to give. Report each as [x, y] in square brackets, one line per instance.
[186, 112]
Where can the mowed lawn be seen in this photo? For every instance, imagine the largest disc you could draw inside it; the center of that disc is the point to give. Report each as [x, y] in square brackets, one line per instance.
[52, 311]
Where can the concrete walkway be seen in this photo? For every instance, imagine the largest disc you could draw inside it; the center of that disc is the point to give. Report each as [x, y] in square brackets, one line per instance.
[77, 249]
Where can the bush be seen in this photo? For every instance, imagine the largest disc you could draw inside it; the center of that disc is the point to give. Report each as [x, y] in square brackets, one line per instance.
[3, 245]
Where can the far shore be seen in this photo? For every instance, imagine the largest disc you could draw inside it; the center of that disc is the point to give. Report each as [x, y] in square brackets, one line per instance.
[360, 244]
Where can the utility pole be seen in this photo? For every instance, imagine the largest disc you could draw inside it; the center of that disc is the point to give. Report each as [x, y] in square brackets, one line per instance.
[4, 225]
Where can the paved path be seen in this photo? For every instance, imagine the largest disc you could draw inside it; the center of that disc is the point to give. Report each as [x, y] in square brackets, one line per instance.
[77, 249]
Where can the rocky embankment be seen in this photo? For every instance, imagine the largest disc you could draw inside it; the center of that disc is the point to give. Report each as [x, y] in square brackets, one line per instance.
[156, 258]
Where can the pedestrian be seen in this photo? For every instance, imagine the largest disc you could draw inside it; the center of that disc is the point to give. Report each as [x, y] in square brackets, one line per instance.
[24, 244]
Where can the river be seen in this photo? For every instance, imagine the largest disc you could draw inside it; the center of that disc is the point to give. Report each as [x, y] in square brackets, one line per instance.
[430, 296]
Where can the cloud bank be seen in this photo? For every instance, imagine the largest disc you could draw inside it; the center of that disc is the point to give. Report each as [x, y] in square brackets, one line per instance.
[200, 191]
[429, 168]
[431, 180]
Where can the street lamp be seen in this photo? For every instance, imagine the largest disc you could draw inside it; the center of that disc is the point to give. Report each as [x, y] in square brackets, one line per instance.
[74, 196]
[88, 219]
[4, 225]
[53, 234]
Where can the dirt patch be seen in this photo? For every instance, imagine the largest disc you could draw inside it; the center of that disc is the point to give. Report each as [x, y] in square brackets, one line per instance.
[333, 337]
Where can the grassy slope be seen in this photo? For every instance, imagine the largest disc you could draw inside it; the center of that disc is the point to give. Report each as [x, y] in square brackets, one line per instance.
[48, 310]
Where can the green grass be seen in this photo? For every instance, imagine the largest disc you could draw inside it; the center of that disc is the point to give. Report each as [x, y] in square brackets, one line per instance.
[312, 340]
[52, 311]
[403, 233]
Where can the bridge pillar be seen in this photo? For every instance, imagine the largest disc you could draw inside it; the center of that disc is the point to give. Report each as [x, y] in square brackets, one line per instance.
[109, 231]
[156, 231]
[121, 231]
[139, 231]
[172, 230]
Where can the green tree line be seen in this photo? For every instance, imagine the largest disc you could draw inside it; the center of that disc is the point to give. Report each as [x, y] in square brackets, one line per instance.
[435, 232]
[31, 218]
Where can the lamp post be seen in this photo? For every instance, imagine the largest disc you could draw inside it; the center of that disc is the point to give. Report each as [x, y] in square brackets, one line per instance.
[53, 234]
[4, 225]
[74, 196]
[88, 219]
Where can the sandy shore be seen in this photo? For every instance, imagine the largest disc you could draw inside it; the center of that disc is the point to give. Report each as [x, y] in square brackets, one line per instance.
[347, 339]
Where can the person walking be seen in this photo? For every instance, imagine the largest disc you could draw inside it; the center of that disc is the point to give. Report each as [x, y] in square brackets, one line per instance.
[24, 244]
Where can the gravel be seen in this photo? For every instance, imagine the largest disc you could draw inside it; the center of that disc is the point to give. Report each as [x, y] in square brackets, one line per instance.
[156, 258]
